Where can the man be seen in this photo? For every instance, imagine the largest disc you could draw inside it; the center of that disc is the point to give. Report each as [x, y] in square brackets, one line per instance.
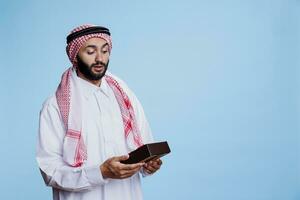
[91, 123]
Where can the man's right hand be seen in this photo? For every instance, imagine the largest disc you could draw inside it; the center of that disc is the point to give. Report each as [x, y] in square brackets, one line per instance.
[113, 168]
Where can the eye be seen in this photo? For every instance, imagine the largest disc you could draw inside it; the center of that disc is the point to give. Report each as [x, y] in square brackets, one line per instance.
[90, 52]
[104, 50]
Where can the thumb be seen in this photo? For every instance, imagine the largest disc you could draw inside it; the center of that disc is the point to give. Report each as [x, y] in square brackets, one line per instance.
[120, 158]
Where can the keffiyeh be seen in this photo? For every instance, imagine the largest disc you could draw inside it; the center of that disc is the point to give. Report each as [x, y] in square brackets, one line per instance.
[69, 102]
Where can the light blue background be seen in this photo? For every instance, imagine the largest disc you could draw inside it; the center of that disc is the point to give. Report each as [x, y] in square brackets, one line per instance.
[218, 79]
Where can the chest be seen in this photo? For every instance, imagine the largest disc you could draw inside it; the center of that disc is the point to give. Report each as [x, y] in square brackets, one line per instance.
[103, 127]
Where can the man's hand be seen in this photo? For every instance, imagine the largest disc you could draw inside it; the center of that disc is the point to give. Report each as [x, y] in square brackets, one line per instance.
[113, 168]
[152, 166]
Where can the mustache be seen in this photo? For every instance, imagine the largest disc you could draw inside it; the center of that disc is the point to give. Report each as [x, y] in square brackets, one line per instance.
[99, 63]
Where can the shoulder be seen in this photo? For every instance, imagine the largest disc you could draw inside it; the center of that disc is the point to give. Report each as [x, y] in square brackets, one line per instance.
[118, 79]
[50, 105]
[123, 84]
[137, 106]
[50, 101]
[131, 95]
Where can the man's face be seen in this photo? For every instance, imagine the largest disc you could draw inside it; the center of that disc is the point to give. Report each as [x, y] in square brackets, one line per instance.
[93, 58]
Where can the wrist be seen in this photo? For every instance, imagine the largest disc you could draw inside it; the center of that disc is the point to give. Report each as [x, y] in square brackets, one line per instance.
[103, 171]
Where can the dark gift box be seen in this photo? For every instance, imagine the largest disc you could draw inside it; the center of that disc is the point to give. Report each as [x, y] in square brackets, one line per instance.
[148, 152]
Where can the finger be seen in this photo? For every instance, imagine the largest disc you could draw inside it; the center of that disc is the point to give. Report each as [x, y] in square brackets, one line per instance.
[156, 163]
[121, 158]
[113, 169]
[150, 163]
[159, 161]
[130, 172]
[156, 166]
[153, 164]
[147, 164]
[120, 169]
[127, 173]
[131, 166]
[150, 168]
[148, 171]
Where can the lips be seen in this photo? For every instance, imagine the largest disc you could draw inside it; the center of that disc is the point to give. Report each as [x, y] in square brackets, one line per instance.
[98, 68]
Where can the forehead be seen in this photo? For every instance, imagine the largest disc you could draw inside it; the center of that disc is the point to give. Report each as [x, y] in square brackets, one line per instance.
[99, 42]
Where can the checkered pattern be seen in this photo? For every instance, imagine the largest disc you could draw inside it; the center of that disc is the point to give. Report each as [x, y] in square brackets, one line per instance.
[74, 46]
[80, 150]
[129, 121]
[63, 96]
[74, 150]
[73, 139]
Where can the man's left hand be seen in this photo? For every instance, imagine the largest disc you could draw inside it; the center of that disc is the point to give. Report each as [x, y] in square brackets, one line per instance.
[152, 166]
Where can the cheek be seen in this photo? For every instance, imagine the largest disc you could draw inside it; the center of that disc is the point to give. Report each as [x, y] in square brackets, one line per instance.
[106, 57]
[88, 59]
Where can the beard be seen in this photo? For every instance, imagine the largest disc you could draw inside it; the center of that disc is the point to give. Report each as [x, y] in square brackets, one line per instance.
[86, 70]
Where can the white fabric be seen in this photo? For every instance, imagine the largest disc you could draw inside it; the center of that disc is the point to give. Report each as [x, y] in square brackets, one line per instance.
[74, 123]
[103, 133]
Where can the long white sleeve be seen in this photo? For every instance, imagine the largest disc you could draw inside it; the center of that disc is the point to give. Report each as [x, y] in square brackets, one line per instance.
[103, 133]
[55, 171]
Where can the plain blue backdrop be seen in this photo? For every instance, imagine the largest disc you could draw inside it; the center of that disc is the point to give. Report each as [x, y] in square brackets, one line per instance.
[218, 79]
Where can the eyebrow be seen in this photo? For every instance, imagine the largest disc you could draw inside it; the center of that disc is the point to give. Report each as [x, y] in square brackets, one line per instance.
[94, 46]
[104, 45]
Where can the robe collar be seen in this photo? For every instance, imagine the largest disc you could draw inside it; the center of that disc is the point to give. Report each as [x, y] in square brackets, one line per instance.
[88, 89]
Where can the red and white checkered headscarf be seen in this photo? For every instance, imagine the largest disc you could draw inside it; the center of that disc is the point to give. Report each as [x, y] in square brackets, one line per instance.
[74, 46]
[69, 100]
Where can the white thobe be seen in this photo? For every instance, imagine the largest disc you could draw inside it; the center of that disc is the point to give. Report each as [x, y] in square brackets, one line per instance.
[103, 133]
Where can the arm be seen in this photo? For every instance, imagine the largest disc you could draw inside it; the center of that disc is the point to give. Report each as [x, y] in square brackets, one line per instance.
[55, 171]
[143, 127]
[152, 166]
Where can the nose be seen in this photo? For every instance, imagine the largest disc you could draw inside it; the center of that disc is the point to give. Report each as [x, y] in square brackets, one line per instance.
[99, 57]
